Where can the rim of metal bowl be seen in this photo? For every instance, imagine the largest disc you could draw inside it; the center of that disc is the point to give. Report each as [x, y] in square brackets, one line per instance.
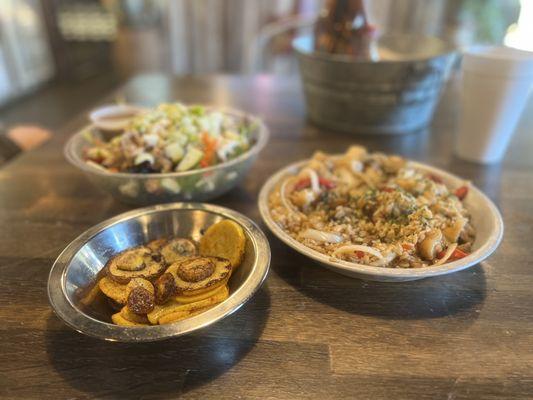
[85, 324]
[447, 50]
[473, 258]
[262, 139]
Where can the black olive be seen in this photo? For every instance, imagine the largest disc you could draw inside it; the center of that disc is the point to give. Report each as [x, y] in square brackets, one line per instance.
[143, 168]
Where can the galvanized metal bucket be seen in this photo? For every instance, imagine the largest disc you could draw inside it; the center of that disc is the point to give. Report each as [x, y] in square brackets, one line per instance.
[393, 96]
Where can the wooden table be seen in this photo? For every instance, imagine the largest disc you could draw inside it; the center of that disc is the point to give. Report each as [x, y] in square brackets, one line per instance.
[308, 333]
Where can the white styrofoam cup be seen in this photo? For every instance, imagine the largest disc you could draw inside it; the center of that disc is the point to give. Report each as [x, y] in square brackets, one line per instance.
[496, 82]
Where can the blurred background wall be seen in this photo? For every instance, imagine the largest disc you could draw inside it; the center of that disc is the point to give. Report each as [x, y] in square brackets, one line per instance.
[73, 40]
[25, 55]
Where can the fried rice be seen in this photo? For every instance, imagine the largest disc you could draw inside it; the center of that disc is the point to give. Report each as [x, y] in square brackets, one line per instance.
[373, 209]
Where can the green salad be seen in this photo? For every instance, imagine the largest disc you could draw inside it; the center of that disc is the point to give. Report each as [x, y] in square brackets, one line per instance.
[173, 138]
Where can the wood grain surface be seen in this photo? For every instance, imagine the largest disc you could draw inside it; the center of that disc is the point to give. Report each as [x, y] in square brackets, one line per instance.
[308, 333]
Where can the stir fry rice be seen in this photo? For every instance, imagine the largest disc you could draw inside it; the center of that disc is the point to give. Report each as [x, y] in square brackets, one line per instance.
[373, 209]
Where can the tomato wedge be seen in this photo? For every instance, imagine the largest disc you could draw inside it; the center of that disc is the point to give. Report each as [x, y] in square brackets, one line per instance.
[306, 182]
[461, 192]
[302, 184]
[456, 255]
[408, 246]
[435, 178]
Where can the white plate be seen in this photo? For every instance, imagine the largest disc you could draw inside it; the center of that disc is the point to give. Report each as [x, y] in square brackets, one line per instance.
[486, 220]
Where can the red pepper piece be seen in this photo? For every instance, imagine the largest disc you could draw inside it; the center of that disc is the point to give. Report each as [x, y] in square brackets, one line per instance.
[306, 182]
[302, 184]
[461, 192]
[326, 183]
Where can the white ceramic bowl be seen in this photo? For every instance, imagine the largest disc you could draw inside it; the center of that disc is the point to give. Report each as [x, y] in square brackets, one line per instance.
[114, 117]
[486, 220]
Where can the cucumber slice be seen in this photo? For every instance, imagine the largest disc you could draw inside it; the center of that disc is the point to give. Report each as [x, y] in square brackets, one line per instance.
[192, 158]
[174, 151]
[171, 185]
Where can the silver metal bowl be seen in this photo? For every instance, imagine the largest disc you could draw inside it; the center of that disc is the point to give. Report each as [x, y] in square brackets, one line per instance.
[81, 261]
[393, 95]
[196, 185]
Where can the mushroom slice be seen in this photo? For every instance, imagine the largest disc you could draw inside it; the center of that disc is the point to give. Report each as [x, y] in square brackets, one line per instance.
[165, 288]
[139, 283]
[115, 291]
[199, 274]
[157, 244]
[453, 231]
[224, 239]
[429, 246]
[138, 262]
[174, 311]
[132, 259]
[141, 297]
[177, 249]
